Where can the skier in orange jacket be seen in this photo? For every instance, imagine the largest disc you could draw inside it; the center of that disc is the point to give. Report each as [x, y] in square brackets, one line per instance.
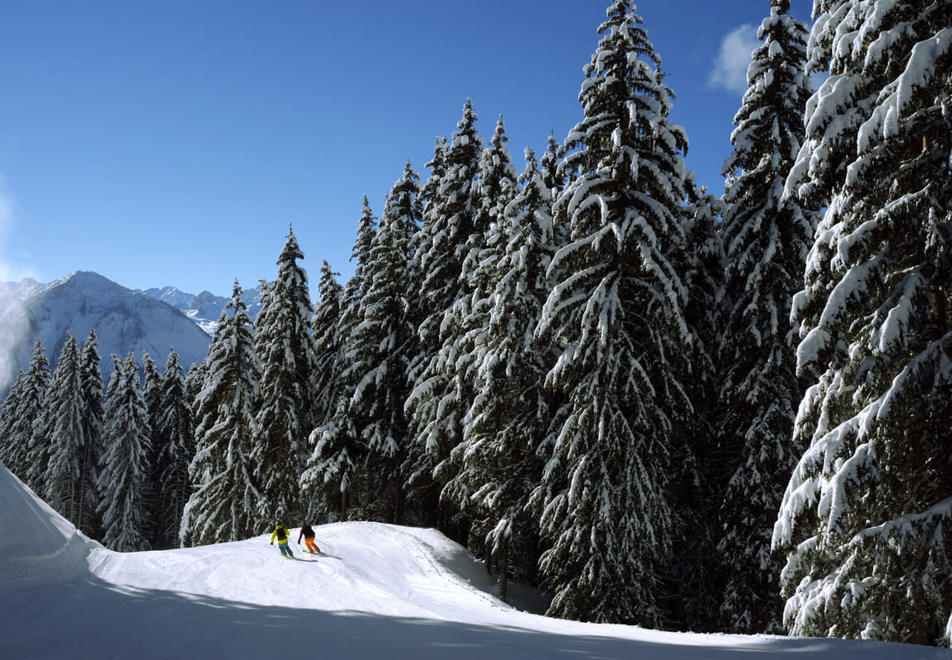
[308, 535]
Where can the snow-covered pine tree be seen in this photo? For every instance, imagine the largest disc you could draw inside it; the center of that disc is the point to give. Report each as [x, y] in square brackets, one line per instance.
[865, 520]
[767, 239]
[151, 388]
[124, 475]
[383, 343]
[285, 414]
[553, 176]
[340, 437]
[497, 183]
[360, 256]
[27, 415]
[617, 313]
[152, 395]
[223, 505]
[435, 407]
[421, 489]
[66, 433]
[328, 359]
[510, 412]
[194, 383]
[93, 422]
[42, 427]
[337, 450]
[692, 591]
[8, 418]
[174, 436]
[329, 471]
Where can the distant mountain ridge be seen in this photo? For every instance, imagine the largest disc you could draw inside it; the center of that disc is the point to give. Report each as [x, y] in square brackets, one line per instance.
[124, 320]
[205, 308]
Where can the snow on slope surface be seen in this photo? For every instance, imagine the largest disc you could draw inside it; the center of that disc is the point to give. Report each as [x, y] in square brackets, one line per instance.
[377, 591]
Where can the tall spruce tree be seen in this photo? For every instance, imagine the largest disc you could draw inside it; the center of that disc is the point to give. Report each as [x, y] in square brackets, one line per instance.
[285, 394]
[225, 499]
[553, 176]
[329, 471]
[437, 403]
[328, 359]
[360, 256]
[151, 388]
[509, 416]
[865, 520]
[7, 420]
[174, 437]
[422, 494]
[93, 422]
[767, 239]
[42, 427]
[338, 450]
[123, 479]
[26, 415]
[383, 345]
[693, 585]
[495, 187]
[340, 438]
[67, 439]
[617, 311]
[194, 383]
[152, 394]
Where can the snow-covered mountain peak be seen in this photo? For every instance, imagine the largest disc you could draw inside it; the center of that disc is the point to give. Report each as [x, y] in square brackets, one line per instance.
[205, 308]
[124, 321]
[89, 282]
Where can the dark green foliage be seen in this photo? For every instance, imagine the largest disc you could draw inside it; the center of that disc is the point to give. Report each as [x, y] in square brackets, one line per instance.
[616, 311]
[865, 521]
[224, 504]
[767, 237]
[284, 416]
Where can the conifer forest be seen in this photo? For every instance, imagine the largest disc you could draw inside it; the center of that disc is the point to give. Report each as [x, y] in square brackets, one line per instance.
[659, 406]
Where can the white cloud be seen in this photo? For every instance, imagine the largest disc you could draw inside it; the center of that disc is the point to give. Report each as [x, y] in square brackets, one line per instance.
[730, 70]
[13, 321]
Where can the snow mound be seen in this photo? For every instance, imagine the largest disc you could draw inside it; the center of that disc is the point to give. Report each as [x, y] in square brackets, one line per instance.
[37, 545]
[376, 591]
[363, 567]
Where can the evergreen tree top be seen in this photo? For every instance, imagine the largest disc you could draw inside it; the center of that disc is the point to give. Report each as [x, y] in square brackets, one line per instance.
[291, 252]
[406, 185]
[38, 357]
[438, 163]
[236, 303]
[466, 143]
[366, 227]
[626, 108]
[328, 281]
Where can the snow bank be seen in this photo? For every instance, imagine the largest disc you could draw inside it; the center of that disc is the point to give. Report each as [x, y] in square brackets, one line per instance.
[377, 591]
[37, 545]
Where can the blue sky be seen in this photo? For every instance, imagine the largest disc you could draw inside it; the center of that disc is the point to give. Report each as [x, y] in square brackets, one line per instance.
[173, 143]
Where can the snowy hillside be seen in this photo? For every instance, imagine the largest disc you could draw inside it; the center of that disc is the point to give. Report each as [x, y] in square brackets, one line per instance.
[205, 308]
[376, 591]
[123, 319]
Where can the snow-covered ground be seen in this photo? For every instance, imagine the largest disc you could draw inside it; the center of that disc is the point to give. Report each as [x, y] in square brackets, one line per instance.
[376, 591]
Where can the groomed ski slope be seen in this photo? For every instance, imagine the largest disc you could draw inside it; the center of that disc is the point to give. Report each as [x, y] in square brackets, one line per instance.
[377, 591]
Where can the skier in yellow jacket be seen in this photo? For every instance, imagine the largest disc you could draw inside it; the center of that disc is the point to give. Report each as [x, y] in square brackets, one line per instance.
[283, 538]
